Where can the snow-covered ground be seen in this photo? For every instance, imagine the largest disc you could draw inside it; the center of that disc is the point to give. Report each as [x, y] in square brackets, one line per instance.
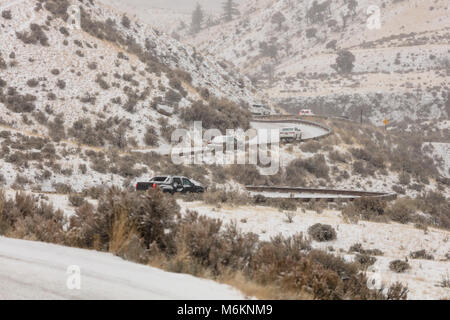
[396, 241]
[33, 270]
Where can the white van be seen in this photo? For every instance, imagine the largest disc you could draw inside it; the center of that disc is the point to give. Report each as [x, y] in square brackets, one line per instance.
[290, 134]
[222, 141]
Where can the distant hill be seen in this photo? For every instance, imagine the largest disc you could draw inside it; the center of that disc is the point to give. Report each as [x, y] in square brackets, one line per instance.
[289, 47]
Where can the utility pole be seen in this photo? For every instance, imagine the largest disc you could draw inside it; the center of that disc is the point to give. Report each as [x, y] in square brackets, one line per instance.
[361, 115]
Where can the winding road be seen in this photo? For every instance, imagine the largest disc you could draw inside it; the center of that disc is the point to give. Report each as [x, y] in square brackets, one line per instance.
[310, 130]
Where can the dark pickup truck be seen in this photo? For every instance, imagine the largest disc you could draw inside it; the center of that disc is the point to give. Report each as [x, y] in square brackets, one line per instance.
[171, 184]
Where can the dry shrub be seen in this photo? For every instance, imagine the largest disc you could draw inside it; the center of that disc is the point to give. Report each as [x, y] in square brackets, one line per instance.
[437, 205]
[365, 208]
[335, 263]
[404, 179]
[289, 216]
[397, 291]
[16, 102]
[150, 214]
[245, 174]
[6, 14]
[183, 75]
[220, 196]
[62, 188]
[445, 282]
[421, 254]
[357, 247]
[35, 35]
[365, 260]
[76, 200]
[94, 192]
[337, 156]
[32, 83]
[311, 146]
[57, 7]
[322, 232]
[204, 243]
[124, 239]
[218, 114]
[401, 211]
[317, 205]
[259, 199]
[399, 266]
[151, 137]
[172, 98]
[296, 170]
[56, 128]
[285, 204]
[25, 218]
[287, 263]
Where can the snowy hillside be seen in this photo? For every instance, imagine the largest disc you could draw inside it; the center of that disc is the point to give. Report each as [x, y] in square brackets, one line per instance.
[115, 64]
[400, 70]
[90, 96]
[75, 94]
[34, 270]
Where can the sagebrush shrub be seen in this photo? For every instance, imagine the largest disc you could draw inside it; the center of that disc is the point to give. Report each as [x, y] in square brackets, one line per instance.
[367, 208]
[35, 35]
[397, 291]
[401, 211]
[296, 170]
[421, 254]
[365, 260]
[357, 247]
[6, 14]
[219, 114]
[16, 102]
[399, 266]
[322, 232]
[150, 214]
[76, 200]
[26, 218]
[151, 137]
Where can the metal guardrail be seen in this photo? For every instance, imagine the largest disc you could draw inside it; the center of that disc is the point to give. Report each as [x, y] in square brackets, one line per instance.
[350, 195]
[316, 116]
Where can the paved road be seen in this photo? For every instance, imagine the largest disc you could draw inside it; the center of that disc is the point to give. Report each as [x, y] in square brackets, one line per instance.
[33, 270]
[308, 132]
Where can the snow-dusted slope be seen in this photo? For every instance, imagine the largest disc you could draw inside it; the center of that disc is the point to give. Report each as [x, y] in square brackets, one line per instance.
[395, 240]
[401, 70]
[96, 71]
[84, 91]
[33, 270]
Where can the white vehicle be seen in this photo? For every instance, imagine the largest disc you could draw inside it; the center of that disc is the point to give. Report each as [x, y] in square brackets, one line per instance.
[260, 110]
[306, 112]
[222, 141]
[290, 134]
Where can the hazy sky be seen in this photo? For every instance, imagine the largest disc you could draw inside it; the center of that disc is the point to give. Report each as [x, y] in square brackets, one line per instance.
[177, 5]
